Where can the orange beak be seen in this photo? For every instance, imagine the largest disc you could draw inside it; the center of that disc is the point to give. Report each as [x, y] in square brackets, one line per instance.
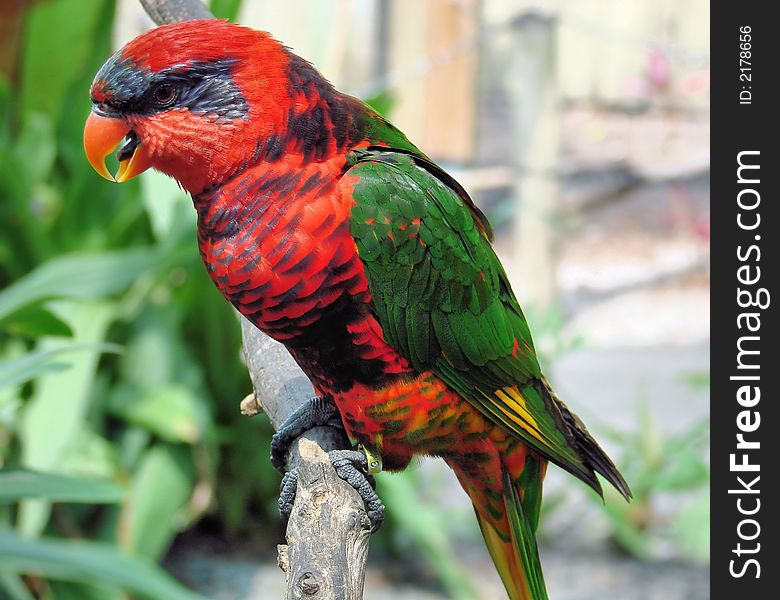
[101, 137]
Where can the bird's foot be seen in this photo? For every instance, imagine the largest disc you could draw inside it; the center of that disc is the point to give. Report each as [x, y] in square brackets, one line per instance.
[316, 412]
[356, 467]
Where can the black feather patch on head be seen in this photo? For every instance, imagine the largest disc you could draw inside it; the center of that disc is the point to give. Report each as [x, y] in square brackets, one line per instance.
[122, 88]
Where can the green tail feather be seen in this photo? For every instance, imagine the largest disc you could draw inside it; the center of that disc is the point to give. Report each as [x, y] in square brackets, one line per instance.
[517, 559]
[523, 528]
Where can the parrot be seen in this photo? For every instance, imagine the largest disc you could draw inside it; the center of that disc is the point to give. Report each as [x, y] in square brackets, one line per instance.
[335, 235]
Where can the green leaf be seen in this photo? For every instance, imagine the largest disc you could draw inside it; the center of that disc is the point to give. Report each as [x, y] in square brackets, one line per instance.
[36, 146]
[153, 513]
[425, 525]
[66, 590]
[165, 203]
[54, 417]
[5, 105]
[682, 471]
[48, 71]
[156, 353]
[93, 562]
[697, 380]
[35, 321]
[75, 104]
[17, 484]
[13, 587]
[93, 457]
[691, 528]
[78, 276]
[10, 403]
[31, 365]
[626, 534]
[171, 411]
[226, 9]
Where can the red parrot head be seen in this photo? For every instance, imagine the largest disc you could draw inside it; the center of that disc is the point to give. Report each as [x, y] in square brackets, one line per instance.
[197, 100]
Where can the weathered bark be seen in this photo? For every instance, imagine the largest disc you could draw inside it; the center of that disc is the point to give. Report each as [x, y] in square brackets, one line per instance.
[173, 11]
[327, 536]
[328, 531]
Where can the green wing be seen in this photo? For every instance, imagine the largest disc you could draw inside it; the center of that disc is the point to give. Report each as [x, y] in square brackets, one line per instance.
[445, 303]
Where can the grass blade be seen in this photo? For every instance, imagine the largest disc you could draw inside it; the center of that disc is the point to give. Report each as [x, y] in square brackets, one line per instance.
[158, 495]
[53, 421]
[17, 484]
[78, 276]
[31, 365]
[93, 562]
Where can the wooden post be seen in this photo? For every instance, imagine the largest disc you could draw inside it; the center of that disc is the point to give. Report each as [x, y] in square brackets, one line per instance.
[406, 48]
[451, 87]
[328, 531]
[533, 91]
[433, 45]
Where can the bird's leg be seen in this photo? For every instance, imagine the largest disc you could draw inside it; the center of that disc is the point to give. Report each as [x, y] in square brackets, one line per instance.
[318, 411]
[356, 467]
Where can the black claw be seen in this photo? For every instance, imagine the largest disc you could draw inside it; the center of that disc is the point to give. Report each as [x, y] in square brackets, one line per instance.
[314, 413]
[352, 467]
[279, 452]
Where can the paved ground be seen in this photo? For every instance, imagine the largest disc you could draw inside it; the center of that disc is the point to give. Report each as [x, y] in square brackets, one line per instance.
[579, 575]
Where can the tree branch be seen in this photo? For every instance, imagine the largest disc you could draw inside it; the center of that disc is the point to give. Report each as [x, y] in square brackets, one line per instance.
[173, 11]
[328, 531]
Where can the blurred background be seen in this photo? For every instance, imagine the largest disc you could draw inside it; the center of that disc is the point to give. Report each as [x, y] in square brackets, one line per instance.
[580, 127]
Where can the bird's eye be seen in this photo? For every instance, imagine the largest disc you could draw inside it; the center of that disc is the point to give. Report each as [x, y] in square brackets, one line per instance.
[164, 94]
